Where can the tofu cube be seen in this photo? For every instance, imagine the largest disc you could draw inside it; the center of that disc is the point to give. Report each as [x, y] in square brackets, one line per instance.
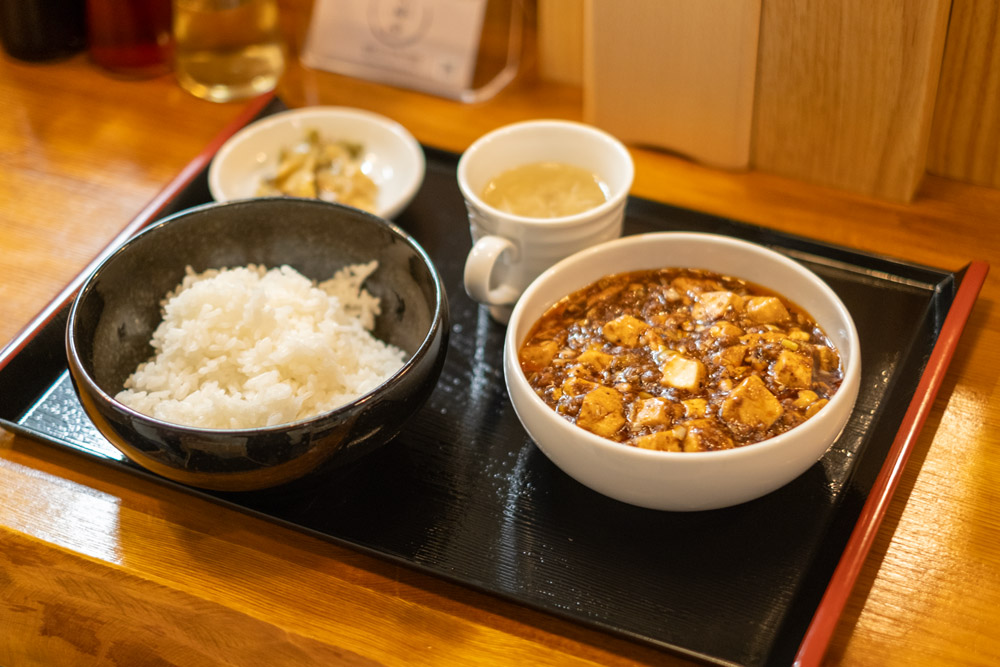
[815, 407]
[654, 411]
[704, 435]
[793, 370]
[806, 397]
[828, 359]
[664, 441]
[725, 329]
[652, 340]
[710, 306]
[594, 360]
[575, 386]
[536, 357]
[751, 405]
[604, 295]
[682, 372]
[693, 286]
[602, 412]
[766, 310]
[591, 363]
[695, 408]
[624, 330]
[732, 356]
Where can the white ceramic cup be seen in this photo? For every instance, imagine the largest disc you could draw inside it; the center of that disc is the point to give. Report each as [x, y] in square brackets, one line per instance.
[509, 251]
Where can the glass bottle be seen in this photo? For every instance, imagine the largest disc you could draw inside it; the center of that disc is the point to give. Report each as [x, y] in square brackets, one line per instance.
[130, 37]
[227, 49]
[36, 30]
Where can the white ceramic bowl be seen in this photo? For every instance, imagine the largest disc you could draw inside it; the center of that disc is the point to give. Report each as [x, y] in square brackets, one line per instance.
[392, 157]
[683, 481]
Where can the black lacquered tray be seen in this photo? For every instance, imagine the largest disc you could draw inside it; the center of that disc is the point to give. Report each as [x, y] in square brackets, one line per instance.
[464, 494]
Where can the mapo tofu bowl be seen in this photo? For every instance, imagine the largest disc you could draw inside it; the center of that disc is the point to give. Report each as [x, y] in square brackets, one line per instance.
[697, 371]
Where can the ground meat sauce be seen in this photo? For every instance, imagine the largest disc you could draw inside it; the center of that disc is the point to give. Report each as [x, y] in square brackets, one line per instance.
[680, 360]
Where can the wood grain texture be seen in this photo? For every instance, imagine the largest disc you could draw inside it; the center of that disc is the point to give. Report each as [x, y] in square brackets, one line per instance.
[673, 74]
[560, 41]
[845, 92]
[99, 567]
[965, 136]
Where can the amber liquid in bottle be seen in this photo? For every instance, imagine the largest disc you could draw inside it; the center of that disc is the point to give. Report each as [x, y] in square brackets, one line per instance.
[227, 49]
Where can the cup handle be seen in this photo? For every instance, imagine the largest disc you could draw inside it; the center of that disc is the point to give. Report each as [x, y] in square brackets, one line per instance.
[479, 271]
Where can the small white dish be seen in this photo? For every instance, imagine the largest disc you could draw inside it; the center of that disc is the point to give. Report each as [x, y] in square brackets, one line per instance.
[392, 157]
[684, 481]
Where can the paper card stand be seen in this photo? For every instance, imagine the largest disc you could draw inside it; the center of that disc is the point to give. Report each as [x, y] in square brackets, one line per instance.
[427, 45]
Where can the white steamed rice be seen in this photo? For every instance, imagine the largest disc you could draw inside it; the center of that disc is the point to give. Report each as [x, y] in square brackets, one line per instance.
[248, 347]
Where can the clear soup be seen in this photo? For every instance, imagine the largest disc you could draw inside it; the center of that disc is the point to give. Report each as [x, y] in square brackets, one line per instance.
[545, 190]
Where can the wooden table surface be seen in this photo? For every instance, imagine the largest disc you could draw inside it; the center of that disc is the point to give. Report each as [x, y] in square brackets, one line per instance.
[102, 567]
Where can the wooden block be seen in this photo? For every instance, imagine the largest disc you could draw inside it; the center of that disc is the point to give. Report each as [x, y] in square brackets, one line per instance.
[560, 41]
[846, 90]
[965, 136]
[674, 74]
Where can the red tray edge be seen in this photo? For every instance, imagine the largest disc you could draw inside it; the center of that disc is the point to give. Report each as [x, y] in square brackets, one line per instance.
[141, 220]
[820, 631]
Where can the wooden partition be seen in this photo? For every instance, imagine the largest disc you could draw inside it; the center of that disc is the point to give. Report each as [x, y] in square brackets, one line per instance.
[846, 92]
[674, 73]
[857, 95]
[965, 136]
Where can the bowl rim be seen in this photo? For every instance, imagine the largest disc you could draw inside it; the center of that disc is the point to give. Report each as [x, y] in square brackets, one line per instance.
[439, 320]
[412, 149]
[847, 393]
[615, 200]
